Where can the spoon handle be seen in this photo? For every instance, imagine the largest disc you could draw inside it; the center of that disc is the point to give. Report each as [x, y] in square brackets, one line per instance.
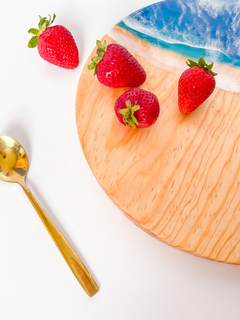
[73, 261]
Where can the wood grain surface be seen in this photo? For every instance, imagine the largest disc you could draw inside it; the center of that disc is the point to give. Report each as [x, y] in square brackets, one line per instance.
[177, 180]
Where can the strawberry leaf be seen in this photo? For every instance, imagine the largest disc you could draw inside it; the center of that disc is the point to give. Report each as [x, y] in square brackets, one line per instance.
[100, 53]
[135, 108]
[91, 66]
[191, 63]
[98, 43]
[132, 124]
[212, 73]
[124, 111]
[209, 66]
[135, 120]
[33, 42]
[202, 62]
[96, 59]
[41, 22]
[104, 45]
[53, 18]
[34, 31]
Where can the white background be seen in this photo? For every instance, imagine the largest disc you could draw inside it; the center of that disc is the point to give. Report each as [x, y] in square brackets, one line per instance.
[139, 277]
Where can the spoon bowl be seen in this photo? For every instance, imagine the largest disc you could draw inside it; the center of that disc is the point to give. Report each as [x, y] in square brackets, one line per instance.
[13, 160]
[14, 168]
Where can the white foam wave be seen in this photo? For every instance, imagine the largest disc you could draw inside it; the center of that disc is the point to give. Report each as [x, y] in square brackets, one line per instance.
[187, 39]
[217, 7]
[220, 37]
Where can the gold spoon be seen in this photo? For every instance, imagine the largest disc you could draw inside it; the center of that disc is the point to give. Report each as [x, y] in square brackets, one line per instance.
[14, 168]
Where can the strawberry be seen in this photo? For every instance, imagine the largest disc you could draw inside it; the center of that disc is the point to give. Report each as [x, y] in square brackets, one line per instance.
[137, 108]
[195, 85]
[55, 44]
[116, 67]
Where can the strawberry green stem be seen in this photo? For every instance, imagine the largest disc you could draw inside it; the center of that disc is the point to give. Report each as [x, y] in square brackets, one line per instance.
[202, 64]
[128, 114]
[42, 25]
[101, 49]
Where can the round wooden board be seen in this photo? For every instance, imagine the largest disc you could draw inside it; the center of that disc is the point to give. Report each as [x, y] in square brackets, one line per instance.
[177, 180]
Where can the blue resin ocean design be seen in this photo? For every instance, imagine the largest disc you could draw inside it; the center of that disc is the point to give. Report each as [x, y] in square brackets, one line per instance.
[192, 28]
